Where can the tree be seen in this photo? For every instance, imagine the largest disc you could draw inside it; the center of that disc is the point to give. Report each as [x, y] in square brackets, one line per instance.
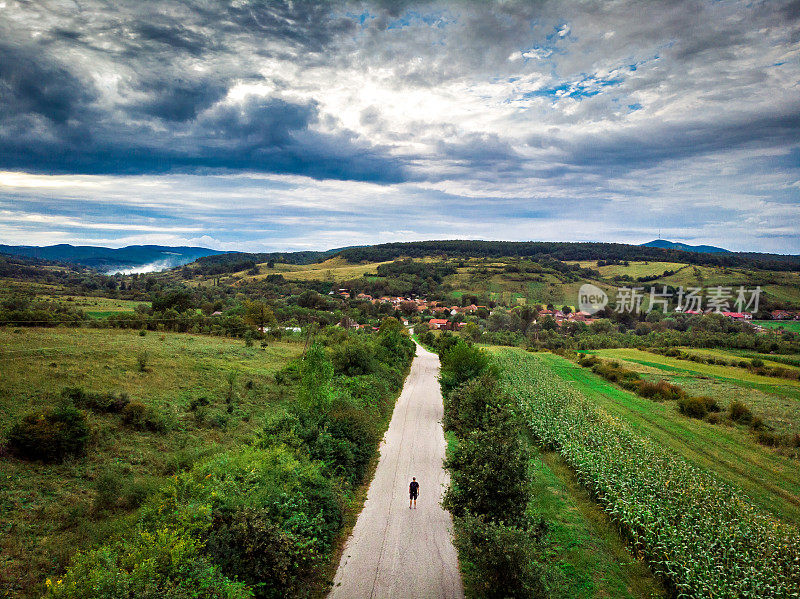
[390, 323]
[258, 314]
[315, 392]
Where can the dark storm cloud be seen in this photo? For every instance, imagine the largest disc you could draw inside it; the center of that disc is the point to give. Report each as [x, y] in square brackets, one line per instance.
[631, 149]
[33, 85]
[169, 68]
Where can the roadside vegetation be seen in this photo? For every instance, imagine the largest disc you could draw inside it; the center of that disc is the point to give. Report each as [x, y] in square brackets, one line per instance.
[261, 520]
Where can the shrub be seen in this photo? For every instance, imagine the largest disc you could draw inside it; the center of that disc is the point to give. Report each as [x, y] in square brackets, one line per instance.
[250, 546]
[50, 435]
[142, 359]
[768, 438]
[353, 357]
[466, 406]
[660, 391]
[757, 363]
[461, 363]
[141, 417]
[489, 470]
[166, 563]
[359, 430]
[496, 560]
[740, 413]
[697, 407]
[97, 402]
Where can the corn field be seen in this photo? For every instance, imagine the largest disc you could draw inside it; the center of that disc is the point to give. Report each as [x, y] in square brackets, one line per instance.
[698, 533]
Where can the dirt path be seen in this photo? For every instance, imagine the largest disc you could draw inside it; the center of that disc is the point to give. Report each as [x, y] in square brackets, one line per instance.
[395, 551]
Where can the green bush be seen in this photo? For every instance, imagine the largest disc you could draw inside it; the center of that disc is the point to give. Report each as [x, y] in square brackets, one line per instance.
[461, 363]
[51, 434]
[144, 418]
[497, 560]
[660, 391]
[97, 402]
[489, 472]
[250, 546]
[353, 357]
[740, 413]
[768, 438]
[142, 359]
[166, 563]
[697, 407]
[465, 408]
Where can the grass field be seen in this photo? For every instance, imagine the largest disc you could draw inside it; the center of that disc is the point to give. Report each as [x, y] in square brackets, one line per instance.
[775, 400]
[771, 481]
[96, 307]
[634, 269]
[335, 269]
[792, 326]
[49, 510]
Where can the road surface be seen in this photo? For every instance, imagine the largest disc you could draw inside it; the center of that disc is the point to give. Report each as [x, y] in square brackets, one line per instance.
[395, 551]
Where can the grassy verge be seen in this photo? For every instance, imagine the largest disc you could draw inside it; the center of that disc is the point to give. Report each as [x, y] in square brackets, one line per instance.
[583, 543]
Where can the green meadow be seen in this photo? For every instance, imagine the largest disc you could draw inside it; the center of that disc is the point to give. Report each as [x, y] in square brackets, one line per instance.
[208, 394]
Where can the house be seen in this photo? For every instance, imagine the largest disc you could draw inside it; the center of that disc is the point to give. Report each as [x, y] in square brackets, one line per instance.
[742, 316]
[785, 315]
[441, 324]
[578, 316]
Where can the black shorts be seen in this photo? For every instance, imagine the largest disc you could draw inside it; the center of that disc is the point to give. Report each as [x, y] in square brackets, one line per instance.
[413, 495]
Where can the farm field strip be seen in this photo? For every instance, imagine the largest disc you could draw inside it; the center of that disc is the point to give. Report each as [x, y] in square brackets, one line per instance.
[786, 325]
[584, 542]
[730, 374]
[698, 532]
[733, 355]
[731, 454]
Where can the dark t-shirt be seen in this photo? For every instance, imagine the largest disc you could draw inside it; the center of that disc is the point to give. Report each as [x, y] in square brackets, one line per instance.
[413, 488]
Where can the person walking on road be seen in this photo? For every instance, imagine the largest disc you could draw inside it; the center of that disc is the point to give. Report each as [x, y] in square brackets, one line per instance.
[413, 492]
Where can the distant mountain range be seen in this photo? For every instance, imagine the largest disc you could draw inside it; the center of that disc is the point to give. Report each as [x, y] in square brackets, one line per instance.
[128, 260]
[684, 247]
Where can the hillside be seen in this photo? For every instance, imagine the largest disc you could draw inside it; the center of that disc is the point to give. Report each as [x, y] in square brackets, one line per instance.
[565, 251]
[671, 245]
[139, 258]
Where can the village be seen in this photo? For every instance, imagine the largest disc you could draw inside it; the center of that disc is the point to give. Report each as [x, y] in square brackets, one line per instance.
[442, 316]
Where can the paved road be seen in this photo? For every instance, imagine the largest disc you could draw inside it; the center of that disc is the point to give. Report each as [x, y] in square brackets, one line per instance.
[395, 551]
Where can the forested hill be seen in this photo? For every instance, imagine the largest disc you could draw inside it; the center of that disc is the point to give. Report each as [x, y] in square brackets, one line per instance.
[564, 251]
[236, 261]
[104, 258]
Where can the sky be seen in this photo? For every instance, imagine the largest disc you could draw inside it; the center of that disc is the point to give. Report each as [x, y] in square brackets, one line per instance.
[293, 125]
